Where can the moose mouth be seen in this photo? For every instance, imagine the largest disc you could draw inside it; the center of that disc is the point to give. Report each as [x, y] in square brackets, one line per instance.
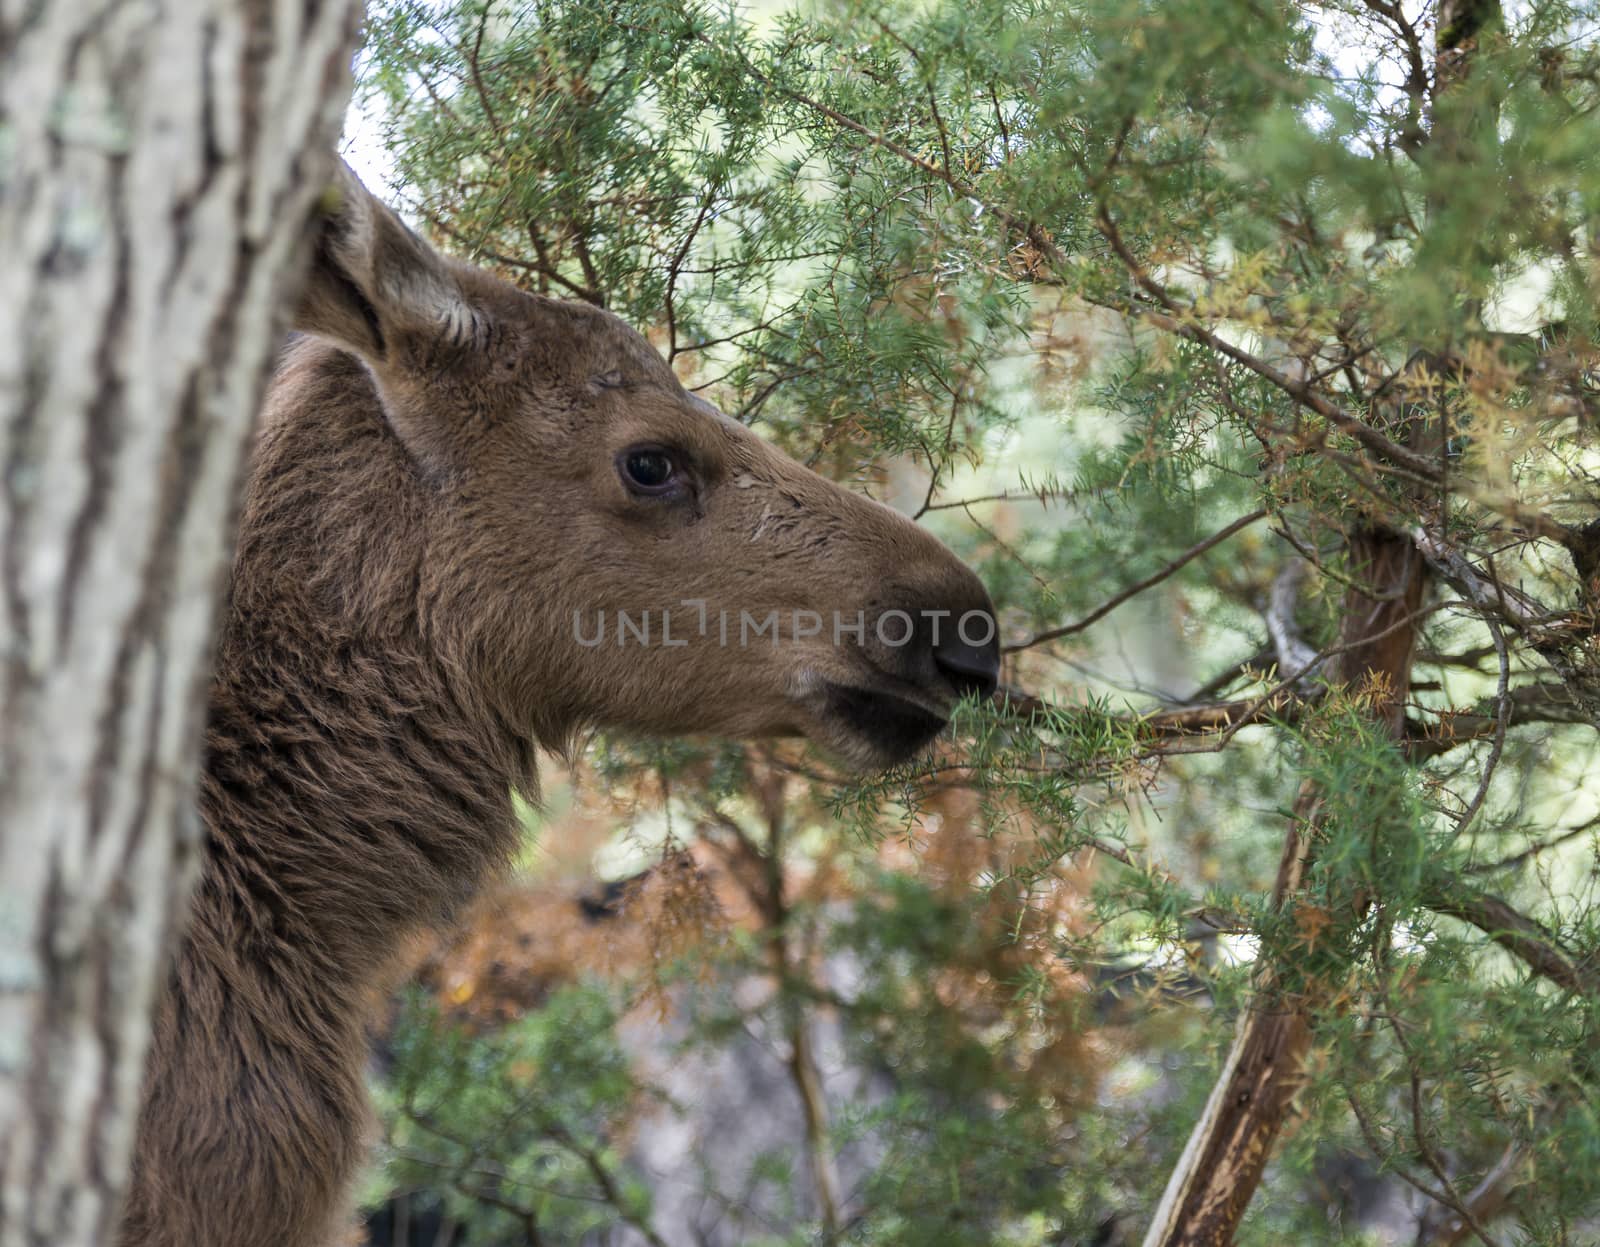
[896, 729]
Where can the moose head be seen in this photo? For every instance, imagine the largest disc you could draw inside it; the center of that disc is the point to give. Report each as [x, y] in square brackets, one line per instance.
[607, 549]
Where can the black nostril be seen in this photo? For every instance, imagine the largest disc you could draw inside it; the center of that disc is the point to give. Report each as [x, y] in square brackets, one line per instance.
[969, 655]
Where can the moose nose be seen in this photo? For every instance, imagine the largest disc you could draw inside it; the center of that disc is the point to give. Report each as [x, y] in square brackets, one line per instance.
[968, 655]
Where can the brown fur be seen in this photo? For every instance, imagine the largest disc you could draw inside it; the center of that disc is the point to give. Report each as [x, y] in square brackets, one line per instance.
[436, 489]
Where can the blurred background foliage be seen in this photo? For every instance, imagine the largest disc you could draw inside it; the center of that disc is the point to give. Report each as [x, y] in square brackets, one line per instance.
[1249, 351]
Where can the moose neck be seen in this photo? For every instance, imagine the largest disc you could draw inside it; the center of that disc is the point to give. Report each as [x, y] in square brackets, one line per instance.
[358, 787]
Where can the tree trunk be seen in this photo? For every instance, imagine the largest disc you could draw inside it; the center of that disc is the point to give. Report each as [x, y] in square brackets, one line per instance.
[1221, 1166]
[158, 162]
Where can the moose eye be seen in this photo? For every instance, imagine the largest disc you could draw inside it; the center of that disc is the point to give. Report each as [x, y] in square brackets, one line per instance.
[647, 470]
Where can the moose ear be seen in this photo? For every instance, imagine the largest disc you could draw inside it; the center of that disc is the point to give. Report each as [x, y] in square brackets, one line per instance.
[373, 281]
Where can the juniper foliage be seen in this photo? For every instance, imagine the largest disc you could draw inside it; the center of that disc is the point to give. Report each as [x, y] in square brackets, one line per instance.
[1251, 353]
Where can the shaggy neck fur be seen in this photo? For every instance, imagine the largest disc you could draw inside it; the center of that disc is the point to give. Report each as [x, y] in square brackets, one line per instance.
[357, 788]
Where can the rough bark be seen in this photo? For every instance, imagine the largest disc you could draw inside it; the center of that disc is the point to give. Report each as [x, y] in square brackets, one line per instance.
[158, 162]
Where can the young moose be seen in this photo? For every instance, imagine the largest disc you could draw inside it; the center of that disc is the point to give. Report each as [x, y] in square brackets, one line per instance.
[450, 474]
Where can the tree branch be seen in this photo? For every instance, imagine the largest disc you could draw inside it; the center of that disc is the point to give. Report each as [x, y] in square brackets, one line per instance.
[1523, 937]
[1168, 316]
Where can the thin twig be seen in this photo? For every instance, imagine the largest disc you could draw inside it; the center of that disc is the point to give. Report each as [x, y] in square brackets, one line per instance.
[1188, 556]
[1502, 702]
[1534, 850]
